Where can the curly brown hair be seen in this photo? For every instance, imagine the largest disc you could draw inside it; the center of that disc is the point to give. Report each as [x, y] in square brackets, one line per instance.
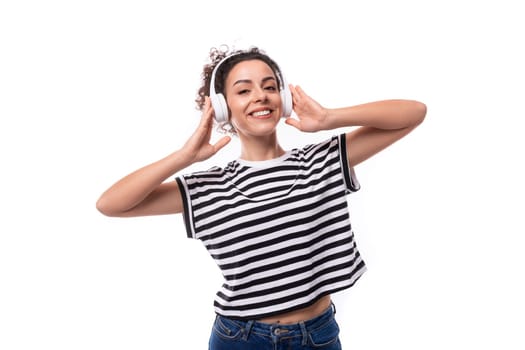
[216, 55]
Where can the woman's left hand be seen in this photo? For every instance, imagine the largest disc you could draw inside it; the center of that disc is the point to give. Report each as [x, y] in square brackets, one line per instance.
[311, 115]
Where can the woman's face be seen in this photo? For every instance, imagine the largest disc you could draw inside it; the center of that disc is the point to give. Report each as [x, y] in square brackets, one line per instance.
[252, 95]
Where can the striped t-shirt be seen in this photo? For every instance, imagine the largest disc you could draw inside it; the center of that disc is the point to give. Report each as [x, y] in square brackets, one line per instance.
[278, 229]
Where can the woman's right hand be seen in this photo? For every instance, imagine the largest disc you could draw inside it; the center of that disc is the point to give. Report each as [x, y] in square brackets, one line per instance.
[198, 146]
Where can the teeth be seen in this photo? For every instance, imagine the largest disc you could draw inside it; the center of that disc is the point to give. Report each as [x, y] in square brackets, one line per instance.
[261, 113]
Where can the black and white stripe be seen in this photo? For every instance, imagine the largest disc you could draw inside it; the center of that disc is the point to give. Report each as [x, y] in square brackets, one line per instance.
[279, 230]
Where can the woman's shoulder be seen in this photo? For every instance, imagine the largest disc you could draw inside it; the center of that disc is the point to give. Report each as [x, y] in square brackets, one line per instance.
[214, 172]
[322, 144]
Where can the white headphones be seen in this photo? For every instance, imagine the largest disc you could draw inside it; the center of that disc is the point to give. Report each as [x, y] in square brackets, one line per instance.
[220, 106]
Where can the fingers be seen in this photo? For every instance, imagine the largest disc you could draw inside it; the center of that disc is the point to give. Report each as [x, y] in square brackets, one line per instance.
[295, 94]
[298, 90]
[221, 143]
[207, 112]
[293, 122]
[299, 97]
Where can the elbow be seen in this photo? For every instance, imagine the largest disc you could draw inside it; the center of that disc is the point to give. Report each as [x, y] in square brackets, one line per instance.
[419, 112]
[412, 113]
[105, 208]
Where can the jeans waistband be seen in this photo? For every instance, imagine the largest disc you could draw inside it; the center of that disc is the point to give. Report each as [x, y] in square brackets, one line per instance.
[276, 330]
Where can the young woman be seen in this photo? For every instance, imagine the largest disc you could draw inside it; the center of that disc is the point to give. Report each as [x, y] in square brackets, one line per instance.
[275, 221]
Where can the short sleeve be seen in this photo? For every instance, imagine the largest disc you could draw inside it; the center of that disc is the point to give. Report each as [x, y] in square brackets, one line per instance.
[187, 208]
[351, 182]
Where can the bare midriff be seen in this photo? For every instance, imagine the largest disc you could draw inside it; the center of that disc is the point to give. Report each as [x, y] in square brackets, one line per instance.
[305, 314]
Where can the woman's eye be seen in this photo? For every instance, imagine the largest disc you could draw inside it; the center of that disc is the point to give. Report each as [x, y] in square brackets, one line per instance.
[244, 91]
[270, 88]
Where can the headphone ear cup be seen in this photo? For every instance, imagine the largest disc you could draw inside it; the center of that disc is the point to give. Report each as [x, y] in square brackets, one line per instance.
[220, 107]
[286, 98]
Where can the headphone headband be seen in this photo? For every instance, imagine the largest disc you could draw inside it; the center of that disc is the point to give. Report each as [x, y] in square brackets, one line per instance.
[212, 81]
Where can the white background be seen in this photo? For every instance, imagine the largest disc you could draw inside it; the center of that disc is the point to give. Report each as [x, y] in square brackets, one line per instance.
[91, 90]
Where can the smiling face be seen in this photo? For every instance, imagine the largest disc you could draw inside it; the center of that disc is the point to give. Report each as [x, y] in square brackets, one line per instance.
[252, 95]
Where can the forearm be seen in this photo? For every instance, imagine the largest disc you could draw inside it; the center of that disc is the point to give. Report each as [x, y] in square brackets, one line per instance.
[387, 115]
[131, 190]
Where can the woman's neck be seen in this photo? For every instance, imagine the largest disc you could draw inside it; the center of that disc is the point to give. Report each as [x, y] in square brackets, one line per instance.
[260, 148]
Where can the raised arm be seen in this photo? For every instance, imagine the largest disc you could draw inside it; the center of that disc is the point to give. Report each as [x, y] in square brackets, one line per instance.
[145, 192]
[381, 123]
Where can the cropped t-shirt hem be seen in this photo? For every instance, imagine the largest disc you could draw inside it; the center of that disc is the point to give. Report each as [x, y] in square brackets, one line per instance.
[293, 308]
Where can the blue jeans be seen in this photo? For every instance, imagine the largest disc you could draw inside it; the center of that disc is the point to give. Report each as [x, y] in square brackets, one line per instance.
[321, 332]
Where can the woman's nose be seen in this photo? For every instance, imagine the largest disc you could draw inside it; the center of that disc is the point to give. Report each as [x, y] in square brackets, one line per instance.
[259, 94]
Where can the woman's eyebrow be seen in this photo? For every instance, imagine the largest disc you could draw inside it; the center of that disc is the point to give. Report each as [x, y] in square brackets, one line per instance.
[248, 81]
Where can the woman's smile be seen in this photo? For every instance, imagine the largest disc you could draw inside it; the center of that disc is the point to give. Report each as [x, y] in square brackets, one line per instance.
[262, 114]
